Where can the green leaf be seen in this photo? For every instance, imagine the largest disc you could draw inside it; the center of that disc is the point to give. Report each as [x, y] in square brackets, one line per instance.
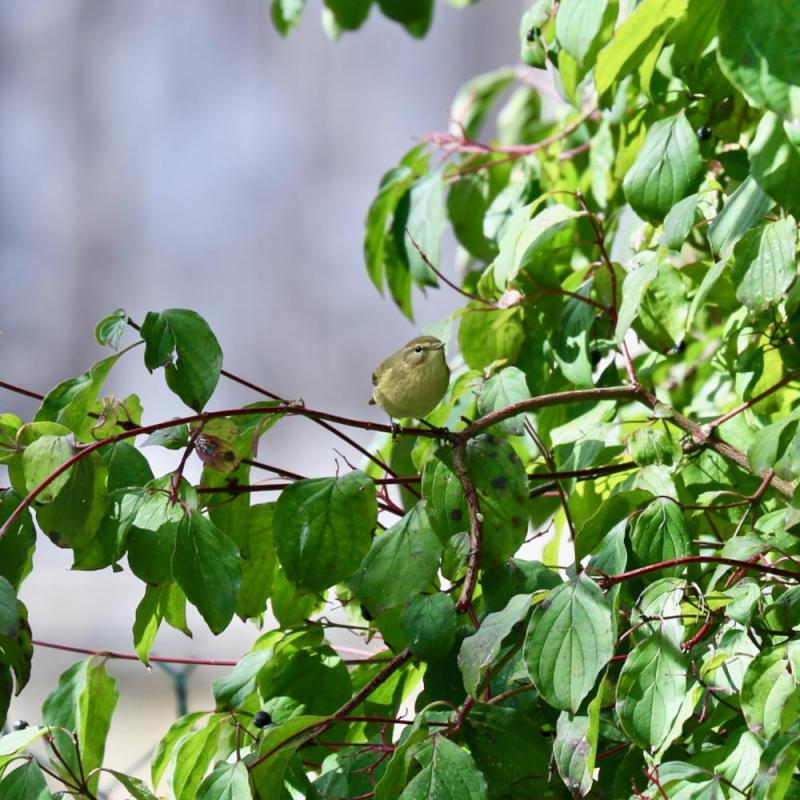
[286, 14]
[581, 26]
[651, 690]
[277, 746]
[574, 753]
[770, 443]
[775, 159]
[43, 457]
[74, 516]
[764, 264]
[378, 243]
[468, 201]
[479, 651]
[147, 621]
[258, 562]
[446, 505]
[777, 767]
[507, 747]
[678, 222]
[502, 485]
[742, 210]
[527, 237]
[661, 534]
[504, 388]
[226, 782]
[661, 321]
[83, 701]
[760, 64]
[206, 566]
[16, 648]
[448, 772]
[571, 339]
[401, 563]
[309, 680]
[193, 755]
[184, 334]
[420, 217]
[475, 98]
[173, 438]
[233, 690]
[322, 528]
[642, 272]
[414, 15]
[635, 40]
[110, 329]
[167, 744]
[349, 14]
[667, 169]
[429, 623]
[770, 695]
[12, 744]
[569, 640]
[611, 512]
[18, 543]
[25, 783]
[9, 615]
[486, 336]
[501, 582]
[137, 788]
[70, 402]
[652, 445]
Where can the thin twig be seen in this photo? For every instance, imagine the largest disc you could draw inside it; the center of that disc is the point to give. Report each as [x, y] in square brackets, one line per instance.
[610, 580]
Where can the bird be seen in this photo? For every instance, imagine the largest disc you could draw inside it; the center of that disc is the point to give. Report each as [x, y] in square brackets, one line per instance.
[412, 381]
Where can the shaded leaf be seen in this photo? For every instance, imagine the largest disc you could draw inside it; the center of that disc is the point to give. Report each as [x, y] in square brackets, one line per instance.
[479, 651]
[401, 563]
[206, 566]
[760, 64]
[322, 528]
[429, 623]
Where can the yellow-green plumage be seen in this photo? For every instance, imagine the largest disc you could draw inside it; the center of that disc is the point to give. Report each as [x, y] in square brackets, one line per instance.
[412, 381]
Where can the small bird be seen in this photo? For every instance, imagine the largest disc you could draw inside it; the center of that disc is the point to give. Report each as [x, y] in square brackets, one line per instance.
[412, 381]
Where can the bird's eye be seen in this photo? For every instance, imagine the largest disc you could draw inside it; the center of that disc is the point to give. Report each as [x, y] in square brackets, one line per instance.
[417, 349]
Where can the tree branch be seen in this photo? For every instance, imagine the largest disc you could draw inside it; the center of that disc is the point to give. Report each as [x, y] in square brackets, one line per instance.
[609, 580]
[461, 470]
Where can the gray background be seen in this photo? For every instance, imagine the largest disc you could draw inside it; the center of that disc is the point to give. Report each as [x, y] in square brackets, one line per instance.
[163, 153]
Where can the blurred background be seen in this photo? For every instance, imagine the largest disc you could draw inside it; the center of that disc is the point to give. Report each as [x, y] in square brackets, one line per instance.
[181, 154]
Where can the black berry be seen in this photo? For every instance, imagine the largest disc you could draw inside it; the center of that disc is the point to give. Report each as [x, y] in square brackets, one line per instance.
[20, 725]
[261, 719]
[704, 133]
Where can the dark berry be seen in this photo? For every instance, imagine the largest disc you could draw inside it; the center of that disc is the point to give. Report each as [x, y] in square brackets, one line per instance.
[20, 725]
[704, 133]
[261, 719]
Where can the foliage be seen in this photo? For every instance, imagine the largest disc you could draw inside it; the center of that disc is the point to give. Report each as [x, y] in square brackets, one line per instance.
[588, 584]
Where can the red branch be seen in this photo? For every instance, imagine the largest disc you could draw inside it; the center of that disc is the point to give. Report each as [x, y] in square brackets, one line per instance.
[610, 580]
